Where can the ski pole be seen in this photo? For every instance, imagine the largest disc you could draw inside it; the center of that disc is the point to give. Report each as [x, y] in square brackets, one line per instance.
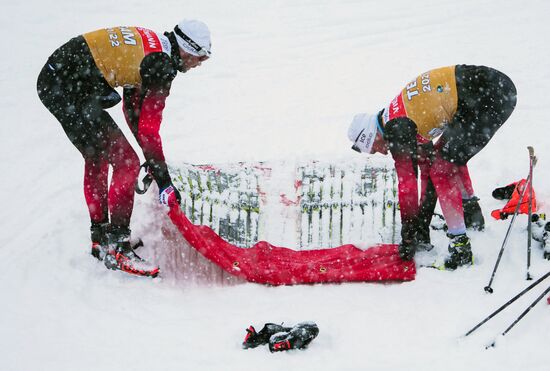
[522, 315]
[488, 288]
[532, 163]
[507, 304]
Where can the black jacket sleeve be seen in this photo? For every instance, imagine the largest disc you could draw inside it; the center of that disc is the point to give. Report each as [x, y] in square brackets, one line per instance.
[157, 71]
[143, 106]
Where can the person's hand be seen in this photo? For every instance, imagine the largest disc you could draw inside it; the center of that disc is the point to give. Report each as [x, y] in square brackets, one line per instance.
[169, 196]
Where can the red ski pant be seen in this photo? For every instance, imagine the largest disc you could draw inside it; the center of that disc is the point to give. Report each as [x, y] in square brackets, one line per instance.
[452, 183]
[118, 198]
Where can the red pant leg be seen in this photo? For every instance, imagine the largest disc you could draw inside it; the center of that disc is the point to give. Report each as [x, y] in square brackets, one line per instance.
[125, 163]
[95, 188]
[444, 177]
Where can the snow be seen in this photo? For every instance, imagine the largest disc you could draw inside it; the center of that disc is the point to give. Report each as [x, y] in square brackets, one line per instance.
[285, 79]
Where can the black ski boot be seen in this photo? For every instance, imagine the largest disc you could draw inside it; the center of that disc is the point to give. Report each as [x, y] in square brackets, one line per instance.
[409, 239]
[545, 241]
[407, 250]
[254, 339]
[298, 337]
[100, 239]
[473, 217]
[461, 252]
[423, 241]
[540, 231]
[121, 256]
[504, 193]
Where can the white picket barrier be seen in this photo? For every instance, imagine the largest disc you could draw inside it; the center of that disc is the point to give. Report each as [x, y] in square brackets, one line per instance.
[302, 205]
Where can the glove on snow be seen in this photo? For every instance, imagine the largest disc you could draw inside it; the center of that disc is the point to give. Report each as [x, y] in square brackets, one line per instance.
[254, 339]
[281, 338]
[298, 337]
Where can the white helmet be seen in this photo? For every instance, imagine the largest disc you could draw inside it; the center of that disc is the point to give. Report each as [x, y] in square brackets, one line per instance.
[193, 37]
[362, 132]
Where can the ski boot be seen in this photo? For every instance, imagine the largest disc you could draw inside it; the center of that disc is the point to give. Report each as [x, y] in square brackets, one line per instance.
[100, 239]
[545, 243]
[407, 250]
[504, 193]
[473, 217]
[414, 237]
[461, 252]
[298, 337]
[254, 339]
[121, 256]
[540, 231]
[423, 241]
[438, 223]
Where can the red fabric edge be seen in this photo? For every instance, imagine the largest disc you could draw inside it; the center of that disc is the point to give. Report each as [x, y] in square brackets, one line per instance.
[273, 265]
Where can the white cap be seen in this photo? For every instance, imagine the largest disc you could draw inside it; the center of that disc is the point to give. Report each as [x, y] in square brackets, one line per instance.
[198, 32]
[362, 131]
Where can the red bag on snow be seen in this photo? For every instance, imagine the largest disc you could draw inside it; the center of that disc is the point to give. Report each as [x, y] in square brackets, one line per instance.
[513, 200]
[268, 264]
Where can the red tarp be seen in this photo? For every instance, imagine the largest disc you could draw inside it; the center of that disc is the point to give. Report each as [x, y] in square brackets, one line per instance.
[268, 264]
[510, 207]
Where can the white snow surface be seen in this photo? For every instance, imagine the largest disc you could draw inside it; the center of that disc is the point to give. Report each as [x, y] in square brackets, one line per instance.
[284, 81]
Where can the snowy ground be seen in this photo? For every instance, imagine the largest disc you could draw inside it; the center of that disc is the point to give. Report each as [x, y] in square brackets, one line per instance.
[284, 81]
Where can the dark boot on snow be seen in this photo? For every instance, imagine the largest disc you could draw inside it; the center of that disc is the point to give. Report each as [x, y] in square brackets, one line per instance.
[121, 256]
[460, 251]
[423, 242]
[540, 231]
[407, 251]
[504, 193]
[100, 239]
[254, 339]
[473, 217]
[546, 241]
[298, 337]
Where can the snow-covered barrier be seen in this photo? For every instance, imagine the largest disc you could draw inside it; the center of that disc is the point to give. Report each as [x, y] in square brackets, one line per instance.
[303, 204]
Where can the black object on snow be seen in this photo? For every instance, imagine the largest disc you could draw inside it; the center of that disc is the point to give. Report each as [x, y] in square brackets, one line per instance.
[254, 339]
[280, 338]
